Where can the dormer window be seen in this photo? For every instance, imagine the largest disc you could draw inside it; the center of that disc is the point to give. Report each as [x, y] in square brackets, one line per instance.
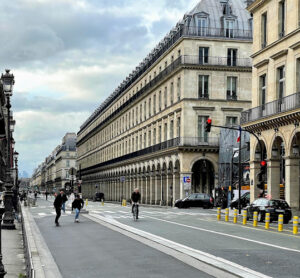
[229, 28]
[202, 24]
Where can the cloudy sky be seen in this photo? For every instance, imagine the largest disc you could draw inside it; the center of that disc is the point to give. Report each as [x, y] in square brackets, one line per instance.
[68, 56]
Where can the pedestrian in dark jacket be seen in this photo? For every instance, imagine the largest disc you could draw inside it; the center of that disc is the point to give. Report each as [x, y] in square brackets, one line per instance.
[135, 198]
[57, 205]
[77, 205]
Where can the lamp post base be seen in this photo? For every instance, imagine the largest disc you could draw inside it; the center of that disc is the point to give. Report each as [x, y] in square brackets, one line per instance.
[8, 221]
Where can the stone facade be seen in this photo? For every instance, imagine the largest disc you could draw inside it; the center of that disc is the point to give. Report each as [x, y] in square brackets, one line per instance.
[275, 114]
[150, 132]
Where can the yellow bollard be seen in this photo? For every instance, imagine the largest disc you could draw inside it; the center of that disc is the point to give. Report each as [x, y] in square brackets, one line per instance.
[124, 203]
[280, 222]
[295, 225]
[226, 214]
[235, 213]
[102, 202]
[244, 217]
[255, 219]
[267, 221]
[219, 214]
[86, 202]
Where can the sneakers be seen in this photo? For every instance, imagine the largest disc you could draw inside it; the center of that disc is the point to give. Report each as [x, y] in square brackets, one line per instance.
[77, 220]
[57, 224]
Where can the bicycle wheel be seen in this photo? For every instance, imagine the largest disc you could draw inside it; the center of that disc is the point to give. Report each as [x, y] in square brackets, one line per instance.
[134, 213]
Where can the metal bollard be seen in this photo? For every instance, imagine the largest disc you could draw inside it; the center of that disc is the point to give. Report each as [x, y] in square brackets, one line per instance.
[267, 221]
[295, 225]
[255, 219]
[102, 202]
[235, 213]
[219, 214]
[226, 214]
[280, 222]
[244, 217]
[86, 202]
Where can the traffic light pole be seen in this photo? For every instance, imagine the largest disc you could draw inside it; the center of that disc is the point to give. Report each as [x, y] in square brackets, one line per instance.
[240, 147]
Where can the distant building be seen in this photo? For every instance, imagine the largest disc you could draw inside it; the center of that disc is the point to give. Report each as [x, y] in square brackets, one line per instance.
[53, 173]
[150, 132]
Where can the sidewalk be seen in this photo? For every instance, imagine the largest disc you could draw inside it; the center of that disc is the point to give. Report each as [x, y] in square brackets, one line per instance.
[13, 252]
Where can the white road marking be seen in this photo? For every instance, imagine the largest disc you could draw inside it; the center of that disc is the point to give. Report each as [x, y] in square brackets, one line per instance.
[108, 211]
[228, 235]
[42, 214]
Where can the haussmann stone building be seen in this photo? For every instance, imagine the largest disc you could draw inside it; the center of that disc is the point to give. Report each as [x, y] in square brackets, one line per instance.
[150, 132]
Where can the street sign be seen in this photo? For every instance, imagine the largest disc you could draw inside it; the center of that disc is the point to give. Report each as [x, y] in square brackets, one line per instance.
[72, 171]
[187, 183]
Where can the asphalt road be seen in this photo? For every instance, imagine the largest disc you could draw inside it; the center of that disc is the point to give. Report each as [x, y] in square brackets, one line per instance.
[88, 249]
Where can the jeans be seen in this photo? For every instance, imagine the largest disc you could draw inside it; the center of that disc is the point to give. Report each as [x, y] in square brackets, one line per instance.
[63, 207]
[77, 213]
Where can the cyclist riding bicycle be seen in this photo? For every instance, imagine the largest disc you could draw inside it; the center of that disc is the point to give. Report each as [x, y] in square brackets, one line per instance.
[135, 198]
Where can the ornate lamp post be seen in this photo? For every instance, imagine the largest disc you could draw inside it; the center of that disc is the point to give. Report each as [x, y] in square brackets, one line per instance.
[16, 154]
[7, 81]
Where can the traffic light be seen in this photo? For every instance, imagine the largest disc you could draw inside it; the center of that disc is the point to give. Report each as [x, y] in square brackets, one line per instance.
[260, 175]
[208, 125]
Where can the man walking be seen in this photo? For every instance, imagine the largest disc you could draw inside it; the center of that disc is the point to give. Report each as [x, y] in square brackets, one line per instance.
[77, 205]
[57, 205]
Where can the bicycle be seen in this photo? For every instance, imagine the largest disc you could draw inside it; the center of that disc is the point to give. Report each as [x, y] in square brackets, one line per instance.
[135, 211]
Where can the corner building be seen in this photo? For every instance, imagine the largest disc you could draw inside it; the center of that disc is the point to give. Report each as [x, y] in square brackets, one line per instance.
[275, 112]
[150, 132]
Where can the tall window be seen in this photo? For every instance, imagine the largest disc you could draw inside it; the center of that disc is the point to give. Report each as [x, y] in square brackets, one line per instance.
[145, 111]
[281, 19]
[202, 26]
[166, 132]
[149, 138]
[262, 90]
[298, 74]
[202, 134]
[136, 115]
[145, 140]
[203, 86]
[132, 144]
[229, 30]
[178, 88]
[68, 163]
[280, 82]
[264, 22]
[172, 93]
[154, 104]
[154, 136]
[178, 126]
[171, 129]
[136, 143]
[141, 112]
[231, 57]
[166, 97]
[159, 101]
[231, 121]
[203, 55]
[159, 134]
[141, 141]
[149, 110]
[231, 88]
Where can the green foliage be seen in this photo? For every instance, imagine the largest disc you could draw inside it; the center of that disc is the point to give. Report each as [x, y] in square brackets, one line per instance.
[21, 275]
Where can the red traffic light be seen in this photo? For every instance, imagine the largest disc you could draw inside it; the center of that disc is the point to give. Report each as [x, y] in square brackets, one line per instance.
[263, 163]
[208, 121]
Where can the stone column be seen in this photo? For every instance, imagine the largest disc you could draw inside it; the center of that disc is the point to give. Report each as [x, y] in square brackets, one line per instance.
[175, 188]
[292, 182]
[151, 189]
[254, 190]
[146, 188]
[274, 178]
[157, 188]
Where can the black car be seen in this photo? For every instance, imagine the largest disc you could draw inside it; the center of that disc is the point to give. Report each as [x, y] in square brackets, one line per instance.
[245, 200]
[99, 196]
[274, 207]
[196, 200]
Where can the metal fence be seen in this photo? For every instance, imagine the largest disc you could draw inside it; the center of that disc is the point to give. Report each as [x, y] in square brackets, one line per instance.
[271, 108]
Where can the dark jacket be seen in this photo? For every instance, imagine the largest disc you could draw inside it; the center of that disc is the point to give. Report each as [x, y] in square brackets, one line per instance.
[135, 197]
[64, 197]
[77, 204]
[58, 201]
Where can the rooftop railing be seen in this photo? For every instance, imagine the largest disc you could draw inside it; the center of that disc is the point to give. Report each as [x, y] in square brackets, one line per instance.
[182, 60]
[175, 142]
[271, 108]
[182, 31]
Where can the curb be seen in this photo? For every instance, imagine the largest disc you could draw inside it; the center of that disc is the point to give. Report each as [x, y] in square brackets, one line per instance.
[41, 263]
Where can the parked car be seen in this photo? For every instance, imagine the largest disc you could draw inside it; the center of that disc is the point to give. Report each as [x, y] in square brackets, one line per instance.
[196, 200]
[274, 207]
[99, 196]
[245, 200]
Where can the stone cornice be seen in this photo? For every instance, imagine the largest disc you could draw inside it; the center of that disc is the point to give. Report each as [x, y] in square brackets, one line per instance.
[295, 45]
[232, 109]
[261, 63]
[204, 108]
[279, 54]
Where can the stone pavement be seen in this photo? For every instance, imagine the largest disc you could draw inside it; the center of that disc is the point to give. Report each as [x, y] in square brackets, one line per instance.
[13, 252]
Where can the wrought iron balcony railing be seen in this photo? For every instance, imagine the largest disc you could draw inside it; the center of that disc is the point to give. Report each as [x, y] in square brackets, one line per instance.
[182, 31]
[176, 142]
[180, 61]
[271, 108]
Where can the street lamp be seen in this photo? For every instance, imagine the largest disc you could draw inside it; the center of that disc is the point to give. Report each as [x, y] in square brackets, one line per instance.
[16, 154]
[7, 81]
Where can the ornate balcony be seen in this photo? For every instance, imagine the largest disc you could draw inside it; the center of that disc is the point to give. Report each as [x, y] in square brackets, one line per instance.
[271, 108]
[179, 142]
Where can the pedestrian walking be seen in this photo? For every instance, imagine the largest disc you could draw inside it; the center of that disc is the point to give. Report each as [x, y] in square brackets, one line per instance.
[65, 199]
[77, 204]
[35, 194]
[57, 205]
[46, 194]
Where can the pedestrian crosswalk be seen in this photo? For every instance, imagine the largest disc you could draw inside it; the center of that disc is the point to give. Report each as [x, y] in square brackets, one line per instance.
[43, 214]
